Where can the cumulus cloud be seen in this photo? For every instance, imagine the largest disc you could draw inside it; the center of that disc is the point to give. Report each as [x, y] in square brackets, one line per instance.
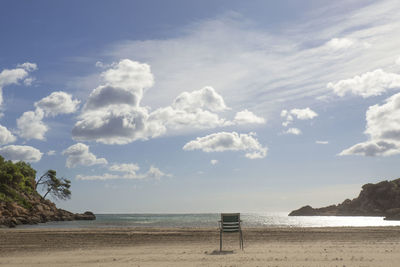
[6, 136]
[124, 83]
[79, 154]
[177, 119]
[205, 98]
[129, 168]
[300, 114]
[303, 114]
[129, 74]
[126, 171]
[28, 66]
[397, 61]
[368, 84]
[383, 130]
[247, 117]
[373, 148]
[113, 115]
[14, 76]
[105, 95]
[294, 131]
[117, 125]
[21, 153]
[58, 103]
[31, 126]
[224, 141]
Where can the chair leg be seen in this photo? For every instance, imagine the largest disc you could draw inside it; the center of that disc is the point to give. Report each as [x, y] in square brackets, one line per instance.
[241, 240]
[220, 241]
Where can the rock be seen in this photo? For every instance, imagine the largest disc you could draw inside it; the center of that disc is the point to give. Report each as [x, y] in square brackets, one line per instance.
[380, 199]
[88, 215]
[304, 211]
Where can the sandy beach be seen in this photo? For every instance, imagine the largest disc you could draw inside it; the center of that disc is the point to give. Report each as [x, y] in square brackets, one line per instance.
[342, 246]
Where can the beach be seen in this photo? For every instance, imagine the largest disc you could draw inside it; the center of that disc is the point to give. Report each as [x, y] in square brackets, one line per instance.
[275, 246]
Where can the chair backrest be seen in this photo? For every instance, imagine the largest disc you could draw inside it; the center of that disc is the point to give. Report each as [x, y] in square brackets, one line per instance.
[230, 222]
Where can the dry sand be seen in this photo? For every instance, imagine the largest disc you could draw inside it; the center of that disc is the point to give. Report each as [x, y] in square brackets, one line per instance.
[344, 246]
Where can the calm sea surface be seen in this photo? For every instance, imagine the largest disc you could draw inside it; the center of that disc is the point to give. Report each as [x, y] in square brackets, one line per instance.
[211, 220]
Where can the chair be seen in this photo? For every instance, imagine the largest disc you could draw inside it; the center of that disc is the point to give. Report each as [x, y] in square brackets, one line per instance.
[230, 223]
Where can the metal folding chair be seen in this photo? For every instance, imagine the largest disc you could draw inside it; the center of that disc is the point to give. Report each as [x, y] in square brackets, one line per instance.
[230, 223]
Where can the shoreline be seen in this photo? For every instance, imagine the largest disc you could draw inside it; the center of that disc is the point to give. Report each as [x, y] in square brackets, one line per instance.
[134, 246]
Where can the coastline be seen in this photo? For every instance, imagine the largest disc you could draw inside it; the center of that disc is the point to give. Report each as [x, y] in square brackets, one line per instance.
[282, 246]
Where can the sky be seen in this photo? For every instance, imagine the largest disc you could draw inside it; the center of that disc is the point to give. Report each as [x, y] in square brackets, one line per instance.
[202, 106]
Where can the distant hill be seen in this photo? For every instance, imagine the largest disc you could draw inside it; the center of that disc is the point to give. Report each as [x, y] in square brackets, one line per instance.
[20, 203]
[380, 199]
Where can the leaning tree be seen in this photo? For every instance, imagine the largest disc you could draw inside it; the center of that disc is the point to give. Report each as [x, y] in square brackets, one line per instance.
[57, 187]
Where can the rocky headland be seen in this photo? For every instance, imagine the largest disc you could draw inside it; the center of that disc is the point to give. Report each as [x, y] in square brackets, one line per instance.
[380, 199]
[20, 203]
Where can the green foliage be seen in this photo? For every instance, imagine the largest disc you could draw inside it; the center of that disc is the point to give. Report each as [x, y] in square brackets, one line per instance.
[15, 177]
[19, 179]
[57, 187]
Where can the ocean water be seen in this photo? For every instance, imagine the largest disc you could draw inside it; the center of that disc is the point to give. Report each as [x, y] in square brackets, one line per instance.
[211, 220]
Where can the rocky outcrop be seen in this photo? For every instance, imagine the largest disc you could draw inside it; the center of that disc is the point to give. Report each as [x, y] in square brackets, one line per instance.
[381, 199]
[38, 210]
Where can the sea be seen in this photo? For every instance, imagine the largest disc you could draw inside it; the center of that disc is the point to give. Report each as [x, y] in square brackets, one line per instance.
[199, 220]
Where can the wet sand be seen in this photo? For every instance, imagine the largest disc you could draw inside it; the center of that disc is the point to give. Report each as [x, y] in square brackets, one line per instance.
[336, 246]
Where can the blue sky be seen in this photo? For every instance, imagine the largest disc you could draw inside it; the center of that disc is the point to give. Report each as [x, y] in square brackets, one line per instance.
[188, 106]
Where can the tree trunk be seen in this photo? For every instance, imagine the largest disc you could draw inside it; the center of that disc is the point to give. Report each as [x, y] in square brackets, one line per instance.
[48, 191]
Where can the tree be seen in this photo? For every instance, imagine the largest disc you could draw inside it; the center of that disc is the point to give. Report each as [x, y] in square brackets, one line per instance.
[57, 187]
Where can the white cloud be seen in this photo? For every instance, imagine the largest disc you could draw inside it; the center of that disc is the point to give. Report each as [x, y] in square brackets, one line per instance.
[303, 114]
[214, 162]
[267, 68]
[116, 125]
[79, 154]
[31, 126]
[340, 43]
[368, 84]
[294, 131]
[51, 153]
[130, 75]
[224, 141]
[126, 171]
[247, 117]
[113, 115]
[205, 98]
[322, 142]
[373, 148]
[21, 153]
[6, 136]
[192, 110]
[177, 119]
[397, 61]
[344, 44]
[58, 103]
[300, 114]
[383, 130]
[28, 66]
[105, 95]
[129, 168]
[14, 76]
[124, 83]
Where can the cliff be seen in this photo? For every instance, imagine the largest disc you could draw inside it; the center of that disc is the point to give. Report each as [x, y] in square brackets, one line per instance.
[380, 199]
[20, 203]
